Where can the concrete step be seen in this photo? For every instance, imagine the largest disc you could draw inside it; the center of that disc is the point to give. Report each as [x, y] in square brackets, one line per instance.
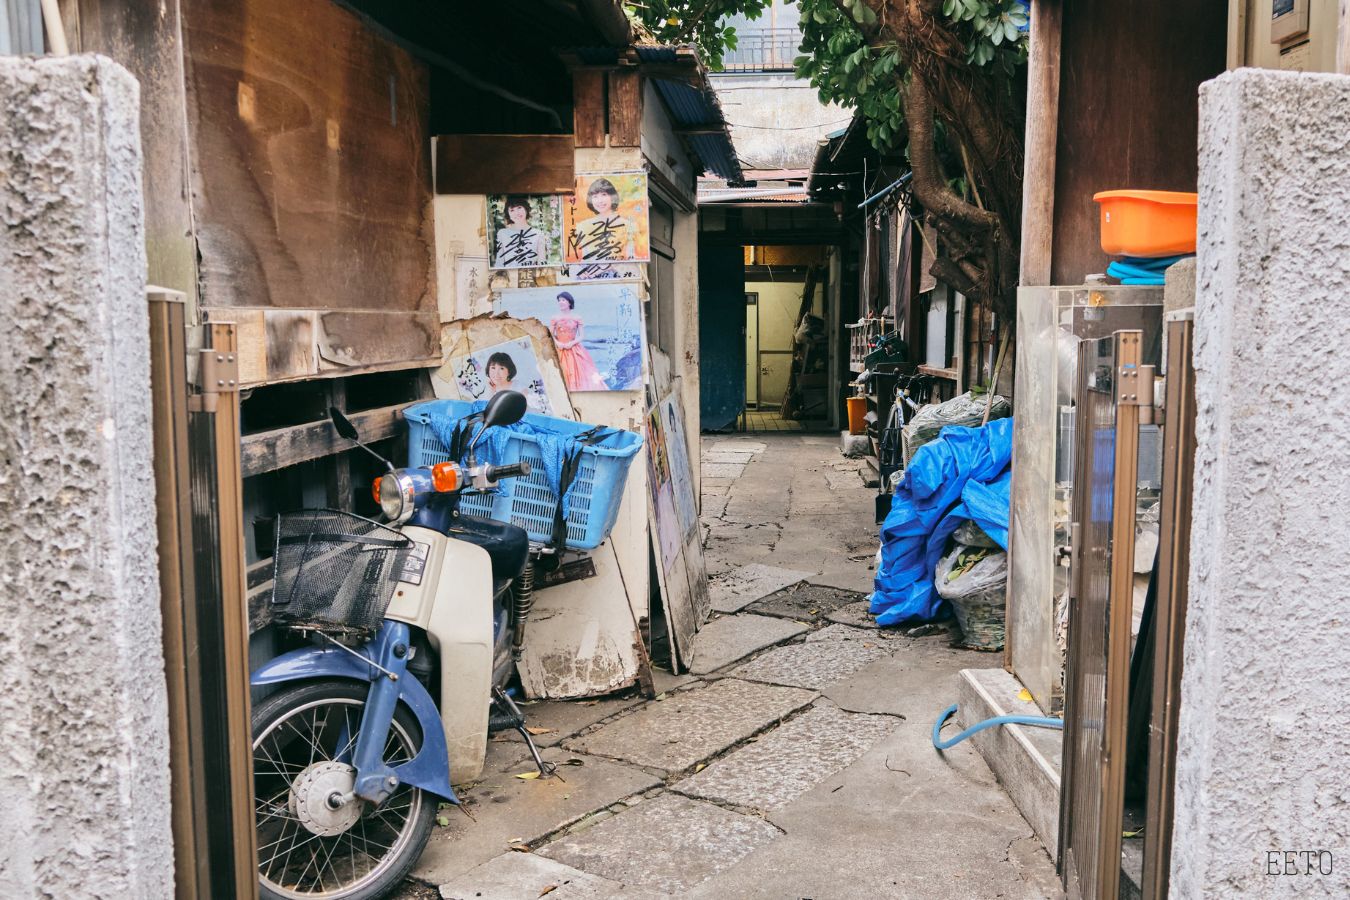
[1025, 759]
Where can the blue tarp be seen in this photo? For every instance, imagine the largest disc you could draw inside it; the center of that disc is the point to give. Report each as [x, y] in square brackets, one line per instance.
[963, 474]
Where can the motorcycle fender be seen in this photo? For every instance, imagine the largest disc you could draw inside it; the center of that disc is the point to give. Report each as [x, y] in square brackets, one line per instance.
[429, 770]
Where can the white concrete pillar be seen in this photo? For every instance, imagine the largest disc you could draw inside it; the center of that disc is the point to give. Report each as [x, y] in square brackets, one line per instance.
[84, 775]
[1263, 744]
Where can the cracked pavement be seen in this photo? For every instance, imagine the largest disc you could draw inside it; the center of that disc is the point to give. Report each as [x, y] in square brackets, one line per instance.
[797, 761]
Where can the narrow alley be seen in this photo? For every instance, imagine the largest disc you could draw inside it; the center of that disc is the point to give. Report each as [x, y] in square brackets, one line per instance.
[802, 735]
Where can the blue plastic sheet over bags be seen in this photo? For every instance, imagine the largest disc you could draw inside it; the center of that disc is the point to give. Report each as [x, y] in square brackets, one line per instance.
[963, 474]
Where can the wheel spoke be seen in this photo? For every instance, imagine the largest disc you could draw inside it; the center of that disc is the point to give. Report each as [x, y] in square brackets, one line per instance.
[294, 861]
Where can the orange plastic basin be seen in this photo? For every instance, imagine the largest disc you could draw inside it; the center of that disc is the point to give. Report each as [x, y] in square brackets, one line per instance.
[1147, 223]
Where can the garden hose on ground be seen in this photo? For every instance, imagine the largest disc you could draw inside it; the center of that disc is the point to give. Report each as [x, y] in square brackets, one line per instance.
[1040, 721]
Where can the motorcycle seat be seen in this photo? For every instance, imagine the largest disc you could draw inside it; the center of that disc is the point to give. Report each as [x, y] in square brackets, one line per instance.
[508, 546]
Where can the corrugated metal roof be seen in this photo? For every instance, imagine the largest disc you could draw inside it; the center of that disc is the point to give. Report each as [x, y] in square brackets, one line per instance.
[695, 110]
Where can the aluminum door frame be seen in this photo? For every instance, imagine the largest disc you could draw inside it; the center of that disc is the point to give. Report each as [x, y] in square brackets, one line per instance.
[1096, 702]
[1174, 531]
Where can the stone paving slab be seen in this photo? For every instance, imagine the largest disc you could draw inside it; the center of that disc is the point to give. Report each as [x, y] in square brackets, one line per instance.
[790, 760]
[509, 810]
[723, 470]
[844, 480]
[814, 664]
[918, 681]
[732, 457]
[840, 632]
[858, 575]
[857, 615]
[690, 726]
[725, 640]
[805, 602]
[668, 844]
[564, 718]
[737, 444]
[514, 876]
[740, 587]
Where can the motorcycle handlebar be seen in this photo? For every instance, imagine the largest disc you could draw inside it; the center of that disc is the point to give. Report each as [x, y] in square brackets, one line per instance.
[514, 470]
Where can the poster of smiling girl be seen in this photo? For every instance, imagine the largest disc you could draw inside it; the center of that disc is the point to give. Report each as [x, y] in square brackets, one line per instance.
[606, 219]
[526, 231]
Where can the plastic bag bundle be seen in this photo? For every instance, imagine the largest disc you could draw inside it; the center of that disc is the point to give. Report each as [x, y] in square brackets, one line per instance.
[973, 581]
[966, 410]
[972, 535]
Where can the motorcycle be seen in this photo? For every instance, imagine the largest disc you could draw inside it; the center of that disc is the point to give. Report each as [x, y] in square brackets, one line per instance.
[412, 629]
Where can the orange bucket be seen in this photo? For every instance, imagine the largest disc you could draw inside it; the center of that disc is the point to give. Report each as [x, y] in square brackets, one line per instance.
[1147, 223]
[857, 415]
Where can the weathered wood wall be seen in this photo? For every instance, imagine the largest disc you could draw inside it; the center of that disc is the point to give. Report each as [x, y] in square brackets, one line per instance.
[311, 185]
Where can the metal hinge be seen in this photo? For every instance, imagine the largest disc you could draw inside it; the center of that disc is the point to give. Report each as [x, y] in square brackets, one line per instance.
[217, 373]
[1135, 388]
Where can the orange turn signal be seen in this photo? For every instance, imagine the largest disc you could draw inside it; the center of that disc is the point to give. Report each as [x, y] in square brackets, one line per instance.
[445, 477]
[375, 490]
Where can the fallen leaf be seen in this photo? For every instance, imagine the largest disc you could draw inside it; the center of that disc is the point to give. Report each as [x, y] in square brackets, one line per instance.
[520, 848]
[813, 611]
[700, 767]
[573, 761]
[1024, 695]
[567, 796]
[660, 696]
[442, 821]
[548, 889]
[526, 776]
[538, 729]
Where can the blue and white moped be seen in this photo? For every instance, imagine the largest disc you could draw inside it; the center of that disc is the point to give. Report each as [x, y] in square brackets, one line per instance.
[411, 630]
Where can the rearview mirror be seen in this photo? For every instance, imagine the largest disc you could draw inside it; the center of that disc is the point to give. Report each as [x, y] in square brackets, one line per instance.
[505, 408]
[343, 424]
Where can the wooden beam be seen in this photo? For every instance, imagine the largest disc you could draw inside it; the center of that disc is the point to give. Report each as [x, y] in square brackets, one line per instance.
[505, 163]
[268, 451]
[1042, 130]
[1343, 39]
[625, 108]
[588, 108]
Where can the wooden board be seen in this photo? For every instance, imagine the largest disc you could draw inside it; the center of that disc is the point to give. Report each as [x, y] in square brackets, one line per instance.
[677, 536]
[145, 38]
[588, 107]
[268, 451]
[310, 165]
[625, 108]
[277, 345]
[505, 164]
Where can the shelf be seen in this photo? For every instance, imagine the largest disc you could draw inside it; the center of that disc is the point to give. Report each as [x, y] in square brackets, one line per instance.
[947, 374]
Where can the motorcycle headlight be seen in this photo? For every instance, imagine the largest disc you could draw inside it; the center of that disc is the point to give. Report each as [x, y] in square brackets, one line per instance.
[396, 493]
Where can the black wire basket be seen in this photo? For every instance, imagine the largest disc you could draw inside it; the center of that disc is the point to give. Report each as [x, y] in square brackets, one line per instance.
[335, 572]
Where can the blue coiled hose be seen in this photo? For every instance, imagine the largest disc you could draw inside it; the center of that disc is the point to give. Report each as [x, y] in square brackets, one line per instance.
[1039, 721]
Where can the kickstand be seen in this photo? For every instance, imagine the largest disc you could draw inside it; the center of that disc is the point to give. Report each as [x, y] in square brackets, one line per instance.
[546, 769]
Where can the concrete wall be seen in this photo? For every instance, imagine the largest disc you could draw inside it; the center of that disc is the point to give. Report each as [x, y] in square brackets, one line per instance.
[84, 775]
[776, 119]
[1263, 743]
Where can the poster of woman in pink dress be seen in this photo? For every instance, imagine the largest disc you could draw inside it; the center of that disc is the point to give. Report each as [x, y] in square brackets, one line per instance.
[578, 367]
[597, 328]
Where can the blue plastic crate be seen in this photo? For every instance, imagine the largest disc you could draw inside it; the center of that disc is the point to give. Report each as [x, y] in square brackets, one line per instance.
[530, 502]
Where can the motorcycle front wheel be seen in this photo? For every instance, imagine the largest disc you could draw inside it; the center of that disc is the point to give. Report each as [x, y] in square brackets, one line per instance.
[314, 838]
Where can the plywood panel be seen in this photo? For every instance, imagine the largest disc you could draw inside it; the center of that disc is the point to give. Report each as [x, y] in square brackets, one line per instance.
[505, 164]
[310, 159]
